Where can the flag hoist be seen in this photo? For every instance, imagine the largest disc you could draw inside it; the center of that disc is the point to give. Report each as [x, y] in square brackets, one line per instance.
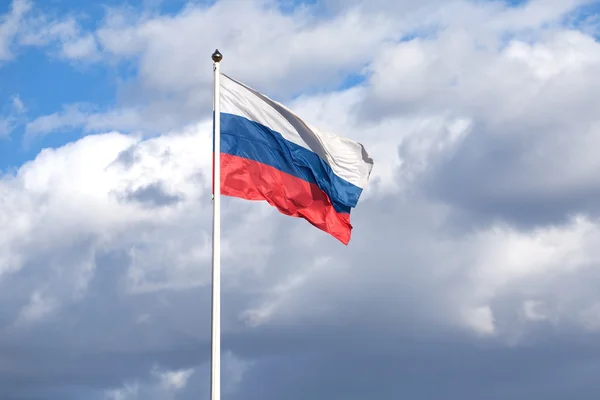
[264, 151]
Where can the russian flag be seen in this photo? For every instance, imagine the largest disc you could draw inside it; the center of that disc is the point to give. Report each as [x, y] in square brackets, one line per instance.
[268, 153]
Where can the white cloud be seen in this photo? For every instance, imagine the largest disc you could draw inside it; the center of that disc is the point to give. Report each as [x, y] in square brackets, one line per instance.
[10, 24]
[78, 116]
[6, 127]
[71, 117]
[481, 320]
[18, 105]
[26, 24]
[352, 38]
[13, 117]
[170, 384]
[127, 392]
[535, 310]
[38, 307]
[174, 380]
[80, 48]
[88, 119]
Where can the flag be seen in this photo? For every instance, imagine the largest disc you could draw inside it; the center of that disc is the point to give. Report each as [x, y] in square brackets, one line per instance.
[269, 153]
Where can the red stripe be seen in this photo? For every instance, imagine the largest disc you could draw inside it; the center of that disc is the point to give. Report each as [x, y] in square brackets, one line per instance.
[251, 180]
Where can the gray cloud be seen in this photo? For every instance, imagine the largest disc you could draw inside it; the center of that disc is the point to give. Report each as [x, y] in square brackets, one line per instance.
[153, 194]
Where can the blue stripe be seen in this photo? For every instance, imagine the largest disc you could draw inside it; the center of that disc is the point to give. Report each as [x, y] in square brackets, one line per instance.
[248, 139]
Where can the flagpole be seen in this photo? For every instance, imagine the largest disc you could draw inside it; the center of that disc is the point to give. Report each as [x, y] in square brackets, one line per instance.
[215, 382]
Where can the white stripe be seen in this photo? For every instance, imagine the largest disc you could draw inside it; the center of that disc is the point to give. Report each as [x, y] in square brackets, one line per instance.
[348, 159]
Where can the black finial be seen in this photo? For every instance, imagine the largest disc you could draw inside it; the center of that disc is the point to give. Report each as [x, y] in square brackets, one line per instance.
[217, 56]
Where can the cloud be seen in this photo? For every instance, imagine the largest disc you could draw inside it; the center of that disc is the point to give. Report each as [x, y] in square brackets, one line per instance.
[127, 261]
[13, 116]
[473, 260]
[71, 117]
[171, 86]
[37, 308]
[6, 127]
[153, 194]
[516, 155]
[348, 47]
[164, 384]
[18, 105]
[26, 25]
[90, 119]
[10, 24]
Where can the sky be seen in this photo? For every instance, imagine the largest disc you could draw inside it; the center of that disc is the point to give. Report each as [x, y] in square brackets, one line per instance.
[473, 265]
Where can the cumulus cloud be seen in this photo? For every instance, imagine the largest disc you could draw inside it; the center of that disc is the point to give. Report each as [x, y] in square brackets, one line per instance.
[474, 240]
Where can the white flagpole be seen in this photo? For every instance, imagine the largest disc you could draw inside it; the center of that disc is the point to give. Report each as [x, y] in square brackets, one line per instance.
[215, 383]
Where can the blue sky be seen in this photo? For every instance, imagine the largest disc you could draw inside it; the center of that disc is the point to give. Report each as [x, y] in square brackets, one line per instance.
[44, 82]
[473, 263]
